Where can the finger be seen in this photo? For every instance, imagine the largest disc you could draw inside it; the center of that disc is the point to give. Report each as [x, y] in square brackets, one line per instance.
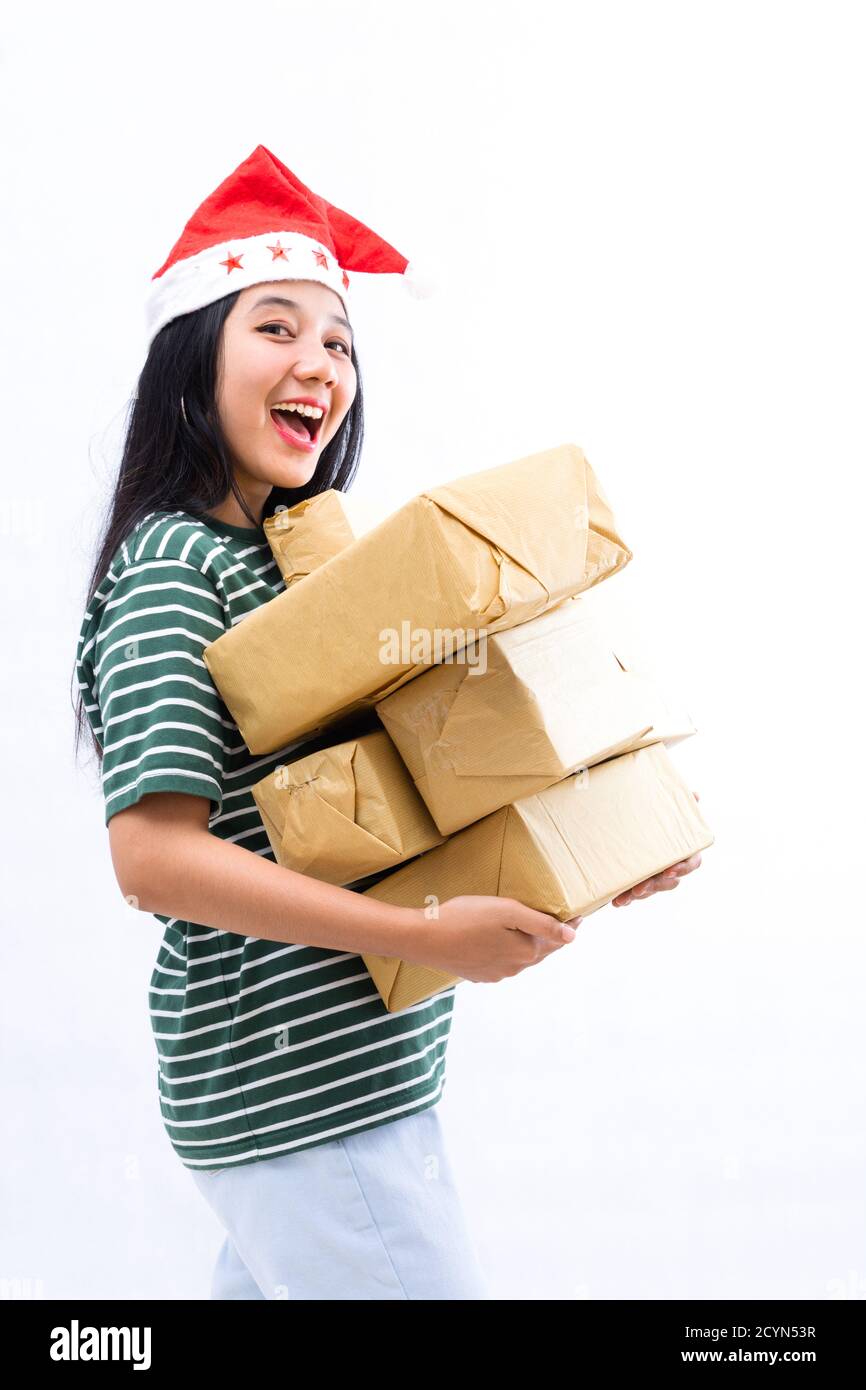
[546, 947]
[658, 884]
[663, 879]
[567, 931]
[684, 866]
[675, 872]
[560, 934]
[539, 924]
[689, 865]
[644, 890]
[631, 895]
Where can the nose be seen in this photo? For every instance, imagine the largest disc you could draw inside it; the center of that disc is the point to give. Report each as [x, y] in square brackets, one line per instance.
[313, 360]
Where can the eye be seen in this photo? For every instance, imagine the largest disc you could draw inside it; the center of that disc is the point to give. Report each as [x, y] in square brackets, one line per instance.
[347, 352]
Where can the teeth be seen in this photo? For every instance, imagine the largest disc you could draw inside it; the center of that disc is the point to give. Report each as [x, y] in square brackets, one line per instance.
[314, 412]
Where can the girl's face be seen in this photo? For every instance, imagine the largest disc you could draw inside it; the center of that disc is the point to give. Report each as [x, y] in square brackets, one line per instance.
[275, 352]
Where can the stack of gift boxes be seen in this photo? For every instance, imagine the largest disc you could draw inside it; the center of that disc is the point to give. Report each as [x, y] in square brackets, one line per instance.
[505, 747]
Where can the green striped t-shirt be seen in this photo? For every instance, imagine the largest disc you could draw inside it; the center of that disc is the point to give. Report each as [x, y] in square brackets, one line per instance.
[263, 1047]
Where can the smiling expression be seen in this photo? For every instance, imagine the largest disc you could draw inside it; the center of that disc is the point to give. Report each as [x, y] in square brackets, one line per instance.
[273, 352]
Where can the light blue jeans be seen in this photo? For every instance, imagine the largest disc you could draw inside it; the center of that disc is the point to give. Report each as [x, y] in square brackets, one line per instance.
[374, 1214]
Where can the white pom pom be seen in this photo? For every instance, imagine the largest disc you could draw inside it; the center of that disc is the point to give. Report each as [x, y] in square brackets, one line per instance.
[420, 280]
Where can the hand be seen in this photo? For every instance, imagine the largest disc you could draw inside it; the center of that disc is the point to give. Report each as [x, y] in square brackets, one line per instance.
[483, 938]
[659, 883]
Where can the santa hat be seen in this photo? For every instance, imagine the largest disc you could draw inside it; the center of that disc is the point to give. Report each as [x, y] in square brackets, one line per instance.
[261, 224]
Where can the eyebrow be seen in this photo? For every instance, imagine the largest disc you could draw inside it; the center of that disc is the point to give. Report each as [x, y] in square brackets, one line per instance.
[292, 304]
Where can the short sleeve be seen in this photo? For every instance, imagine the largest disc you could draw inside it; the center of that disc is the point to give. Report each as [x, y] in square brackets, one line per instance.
[164, 726]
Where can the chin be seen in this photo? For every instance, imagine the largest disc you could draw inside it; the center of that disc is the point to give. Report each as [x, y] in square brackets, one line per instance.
[294, 473]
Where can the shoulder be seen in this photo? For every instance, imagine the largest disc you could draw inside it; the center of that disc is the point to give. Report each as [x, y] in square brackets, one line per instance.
[164, 549]
[167, 559]
[176, 536]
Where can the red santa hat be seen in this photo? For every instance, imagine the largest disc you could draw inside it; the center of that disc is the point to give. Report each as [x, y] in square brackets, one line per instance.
[261, 224]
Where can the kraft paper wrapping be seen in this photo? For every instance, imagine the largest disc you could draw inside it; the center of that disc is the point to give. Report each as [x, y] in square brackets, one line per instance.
[522, 710]
[306, 535]
[566, 851]
[487, 551]
[344, 812]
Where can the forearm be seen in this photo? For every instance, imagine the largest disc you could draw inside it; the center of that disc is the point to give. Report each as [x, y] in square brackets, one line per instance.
[198, 877]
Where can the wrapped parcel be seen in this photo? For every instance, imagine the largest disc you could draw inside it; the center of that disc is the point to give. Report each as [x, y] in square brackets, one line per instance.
[342, 813]
[483, 553]
[567, 851]
[303, 537]
[522, 709]
[314, 530]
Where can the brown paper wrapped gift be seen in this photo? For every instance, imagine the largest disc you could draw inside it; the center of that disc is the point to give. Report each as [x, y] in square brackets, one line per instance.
[484, 552]
[314, 530]
[521, 710]
[306, 535]
[344, 812]
[566, 850]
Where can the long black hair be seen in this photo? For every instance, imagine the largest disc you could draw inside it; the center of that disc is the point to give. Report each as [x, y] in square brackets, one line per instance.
[170, 463]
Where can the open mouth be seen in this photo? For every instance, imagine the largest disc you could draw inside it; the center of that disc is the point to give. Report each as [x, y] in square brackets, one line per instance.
[296, 428]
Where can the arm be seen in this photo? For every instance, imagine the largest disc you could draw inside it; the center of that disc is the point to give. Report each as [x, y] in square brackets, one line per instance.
[166, 861]
[164, 610]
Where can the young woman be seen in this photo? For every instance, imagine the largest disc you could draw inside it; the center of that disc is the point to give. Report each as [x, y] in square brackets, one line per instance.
[303, 1110]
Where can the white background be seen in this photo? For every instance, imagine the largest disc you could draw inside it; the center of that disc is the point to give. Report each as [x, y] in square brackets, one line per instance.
[648, 222]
